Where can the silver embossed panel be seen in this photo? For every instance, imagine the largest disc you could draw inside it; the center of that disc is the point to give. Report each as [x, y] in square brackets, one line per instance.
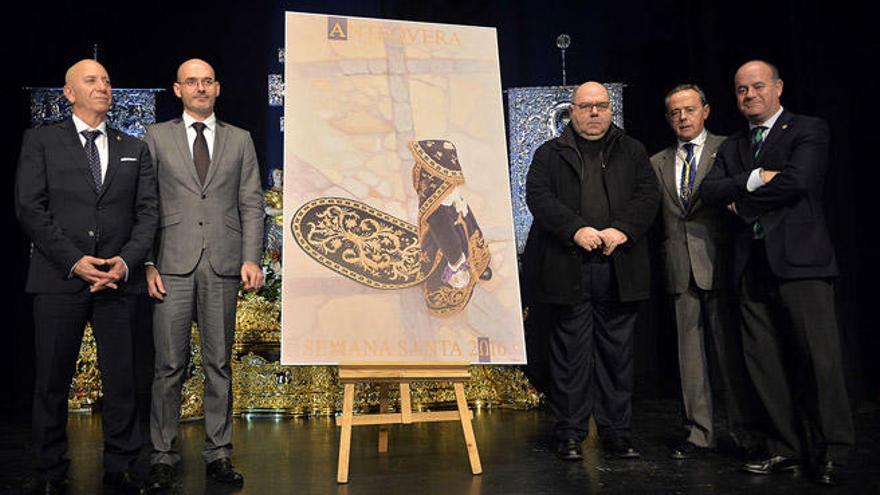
[132, 110]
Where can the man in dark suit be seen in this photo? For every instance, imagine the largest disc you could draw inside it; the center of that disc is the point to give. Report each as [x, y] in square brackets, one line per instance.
[85, 195]
[771, 177]
[210, 242]
[593, 196]
[694, 249]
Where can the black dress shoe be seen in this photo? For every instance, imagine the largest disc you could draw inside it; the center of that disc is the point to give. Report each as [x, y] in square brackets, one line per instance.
[771, 465]
[161, 477]
[222, 471]
[687, 450]
[828, 474]
[569, 450]
[47, 487]
[621, 448]
[122, 481]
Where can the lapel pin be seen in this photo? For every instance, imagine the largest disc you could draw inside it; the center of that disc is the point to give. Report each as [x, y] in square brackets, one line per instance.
[784, 126]
[118, 137]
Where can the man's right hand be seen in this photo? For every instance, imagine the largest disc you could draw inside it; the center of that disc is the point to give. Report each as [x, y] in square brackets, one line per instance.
[92, 270]
[154, 283]
[588, 238]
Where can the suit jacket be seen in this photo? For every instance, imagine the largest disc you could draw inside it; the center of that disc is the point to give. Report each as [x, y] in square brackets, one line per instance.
[225, 215]
[694, 239]
[789, 207]
[66, 218]
[552, 261]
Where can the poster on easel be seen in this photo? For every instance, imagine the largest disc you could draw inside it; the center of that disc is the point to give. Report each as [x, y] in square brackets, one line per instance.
[398, 234]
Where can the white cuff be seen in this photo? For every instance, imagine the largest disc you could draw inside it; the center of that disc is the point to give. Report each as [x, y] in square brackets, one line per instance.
[755, 180]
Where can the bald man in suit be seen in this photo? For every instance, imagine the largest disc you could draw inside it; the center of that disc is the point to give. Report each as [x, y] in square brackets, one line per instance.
[770, 176]
[210, 241]
[85, 195]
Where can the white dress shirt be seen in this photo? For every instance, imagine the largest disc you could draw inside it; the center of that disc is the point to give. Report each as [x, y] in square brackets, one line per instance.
[100, 141]
[210, 127]
[680, 155]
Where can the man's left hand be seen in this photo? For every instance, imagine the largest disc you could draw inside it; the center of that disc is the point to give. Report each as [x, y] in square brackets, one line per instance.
[768, 175]
[116, 271]
[611, 238]
[251, 275]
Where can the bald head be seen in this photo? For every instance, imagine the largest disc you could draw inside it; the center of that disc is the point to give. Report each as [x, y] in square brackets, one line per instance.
[590, 88]
[193, 64]
[83, 66]
[591, 110]
[87, 88]
[197, 88]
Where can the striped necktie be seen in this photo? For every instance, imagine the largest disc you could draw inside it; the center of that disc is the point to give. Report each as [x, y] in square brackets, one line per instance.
[757, 143]
[757, 140]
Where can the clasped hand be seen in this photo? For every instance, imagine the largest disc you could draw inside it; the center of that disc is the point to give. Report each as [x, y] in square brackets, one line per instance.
[100, 273]
[590, 239]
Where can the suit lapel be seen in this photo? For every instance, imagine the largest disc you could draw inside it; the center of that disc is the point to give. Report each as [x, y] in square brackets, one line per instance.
[77, 153]
[114, 153]
[707, 159]
[744, 146]
[667, 174]
[220, 135]
[779, 128]
[180, 139]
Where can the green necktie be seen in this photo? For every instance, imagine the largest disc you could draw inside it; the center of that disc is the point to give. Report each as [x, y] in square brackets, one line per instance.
[757, 143]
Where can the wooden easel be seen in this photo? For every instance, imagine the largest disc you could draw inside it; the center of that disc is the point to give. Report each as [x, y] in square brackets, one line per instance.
[387, 374]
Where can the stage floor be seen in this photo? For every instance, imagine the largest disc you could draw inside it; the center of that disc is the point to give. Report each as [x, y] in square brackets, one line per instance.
[280, 456]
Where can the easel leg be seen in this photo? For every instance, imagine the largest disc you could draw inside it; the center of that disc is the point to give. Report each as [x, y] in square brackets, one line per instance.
[345, 436]
[405, 404]
[383, 408]
[468, 429]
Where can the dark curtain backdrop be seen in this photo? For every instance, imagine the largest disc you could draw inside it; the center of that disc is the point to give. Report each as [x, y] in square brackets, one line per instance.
[825, 52]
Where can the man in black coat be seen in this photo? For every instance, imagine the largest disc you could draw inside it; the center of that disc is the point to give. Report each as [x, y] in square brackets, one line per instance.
[85, 195]
[593, 196]
[771, 177]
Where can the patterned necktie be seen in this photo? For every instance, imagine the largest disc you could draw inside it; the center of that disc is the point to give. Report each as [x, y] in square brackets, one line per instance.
[201, 156]
[688, 172]
[757, 143]
[757, 140]
[94, 157]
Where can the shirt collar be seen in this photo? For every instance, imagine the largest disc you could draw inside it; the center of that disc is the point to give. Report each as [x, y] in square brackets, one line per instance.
[82, 126]
[210, 122]
[698, 141]
[769, 122]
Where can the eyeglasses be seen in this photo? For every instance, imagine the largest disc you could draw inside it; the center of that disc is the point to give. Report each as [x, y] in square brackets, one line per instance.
[676, 112]
[192, 82]
[602, 106]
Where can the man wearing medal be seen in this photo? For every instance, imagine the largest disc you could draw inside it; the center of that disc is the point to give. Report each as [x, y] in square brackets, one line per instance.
[694, 244]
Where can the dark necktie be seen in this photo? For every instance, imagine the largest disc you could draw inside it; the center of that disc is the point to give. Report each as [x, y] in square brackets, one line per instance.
[94, 157]
[757, 140]
[757, 143]
[688, 172]
[201, 157]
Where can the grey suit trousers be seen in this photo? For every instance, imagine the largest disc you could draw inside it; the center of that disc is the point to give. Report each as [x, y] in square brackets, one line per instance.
[704, 319]
[211, 299]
